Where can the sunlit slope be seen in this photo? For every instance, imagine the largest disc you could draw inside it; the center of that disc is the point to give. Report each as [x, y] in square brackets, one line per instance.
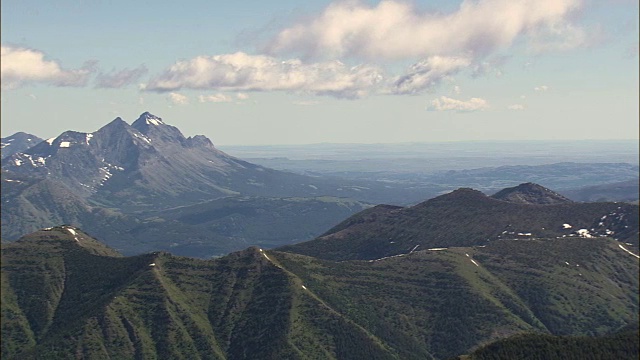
[64, 296]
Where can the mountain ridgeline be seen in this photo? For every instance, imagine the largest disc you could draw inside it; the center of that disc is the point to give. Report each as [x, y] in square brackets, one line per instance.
[124, 184]
[152, 165]
[147, 164]
[467, 217]
[18, 142]
[65, 295]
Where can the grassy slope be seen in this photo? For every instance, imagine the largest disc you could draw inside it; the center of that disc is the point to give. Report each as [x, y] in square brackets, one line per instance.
[77, 299]
[441, 302]
[242, 306]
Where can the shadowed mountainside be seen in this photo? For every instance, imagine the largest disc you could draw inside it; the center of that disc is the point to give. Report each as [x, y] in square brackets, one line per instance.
[466, 217]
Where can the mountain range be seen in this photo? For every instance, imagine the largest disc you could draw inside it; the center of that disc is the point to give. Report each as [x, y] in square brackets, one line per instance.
[66, 295]
[121, 182]
[460, 273]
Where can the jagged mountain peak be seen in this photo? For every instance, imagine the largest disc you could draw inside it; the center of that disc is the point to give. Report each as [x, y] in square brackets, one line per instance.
[530, 193]
[145, 119]
[199, 141]
[117, 122]
[159, 131]
[18, 142]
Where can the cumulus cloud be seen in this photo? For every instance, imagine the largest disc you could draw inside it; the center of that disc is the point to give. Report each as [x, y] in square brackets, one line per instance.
[428, 73]
[215, 98]
[19, 66]
[448, 104]
[440, 45]
[541, 88]
[515, 107]
[118, 79]
[244, 72]
[177, 99]
[395, 29]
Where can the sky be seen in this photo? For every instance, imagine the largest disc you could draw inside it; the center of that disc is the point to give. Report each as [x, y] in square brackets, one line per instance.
[252, 72]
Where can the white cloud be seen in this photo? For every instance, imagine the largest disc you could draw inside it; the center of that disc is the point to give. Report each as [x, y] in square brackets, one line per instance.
[515, 107]
[118, 79]
[19, 66]
[215, 98]
[428, 73]
[396, 29]
[456, 90]
[243, 72]
[177, 99]
[448, 104]
[541, 88]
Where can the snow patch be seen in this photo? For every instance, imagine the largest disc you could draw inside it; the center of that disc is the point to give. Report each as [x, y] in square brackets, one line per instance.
[474, 262]
[89, 136]
[437, 249]
[625, 249]
[71, 231]
[65, 144]
[50, 141]
[153, 121]
[387, 257]
[143, 138]
[313, 187]
[584, 233]
[567, 263]
[18, 162]
[566, 226]
[304, 287]
[524, 234]
[152, 264]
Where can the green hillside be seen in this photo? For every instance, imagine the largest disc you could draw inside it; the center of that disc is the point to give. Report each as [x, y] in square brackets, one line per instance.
[65, 296]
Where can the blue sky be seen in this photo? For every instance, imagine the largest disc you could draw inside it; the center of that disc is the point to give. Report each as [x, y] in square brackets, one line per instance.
[299, 72]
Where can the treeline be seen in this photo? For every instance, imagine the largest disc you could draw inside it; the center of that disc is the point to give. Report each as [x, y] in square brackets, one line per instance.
[622, 345]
